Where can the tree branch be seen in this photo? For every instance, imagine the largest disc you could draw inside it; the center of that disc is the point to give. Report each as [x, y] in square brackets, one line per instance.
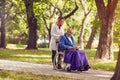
[83, 6]
[100, 5]
[52, 12]
[45, 21]
[72, 12]
[56, 7]
[64, 6]
[88, 12]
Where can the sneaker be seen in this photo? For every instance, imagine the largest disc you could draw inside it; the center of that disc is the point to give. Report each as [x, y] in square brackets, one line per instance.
[86, 67]
[59, 67]
[81, 68]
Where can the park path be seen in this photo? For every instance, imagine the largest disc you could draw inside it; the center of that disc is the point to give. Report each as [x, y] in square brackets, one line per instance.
[46, 69]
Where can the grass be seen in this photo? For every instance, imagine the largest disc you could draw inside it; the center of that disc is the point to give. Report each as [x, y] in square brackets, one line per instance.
[43, 56]
[37, 56]
[12, 75]
[101, 64]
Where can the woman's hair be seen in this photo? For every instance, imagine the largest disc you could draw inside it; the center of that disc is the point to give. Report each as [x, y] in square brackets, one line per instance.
[60, 17]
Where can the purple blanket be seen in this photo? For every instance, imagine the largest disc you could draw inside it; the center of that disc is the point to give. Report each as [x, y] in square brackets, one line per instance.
[75, 58]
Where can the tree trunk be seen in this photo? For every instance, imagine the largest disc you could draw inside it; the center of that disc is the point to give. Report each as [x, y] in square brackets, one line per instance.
[106, 15]
[94, 29]
[91, 38]
[86, 12]
[80, 38]
[3, 37]
[32, 25]
[116, 75]
[48, 28]
[49, 31]
[105, 47]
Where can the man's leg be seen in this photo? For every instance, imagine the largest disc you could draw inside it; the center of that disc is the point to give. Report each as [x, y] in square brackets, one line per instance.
[84, 60]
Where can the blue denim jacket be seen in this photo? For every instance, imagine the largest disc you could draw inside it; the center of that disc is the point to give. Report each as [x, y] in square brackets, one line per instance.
[65, 42]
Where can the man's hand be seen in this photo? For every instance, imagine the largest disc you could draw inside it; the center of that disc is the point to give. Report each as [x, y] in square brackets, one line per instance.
[74, 47]
[71, 48]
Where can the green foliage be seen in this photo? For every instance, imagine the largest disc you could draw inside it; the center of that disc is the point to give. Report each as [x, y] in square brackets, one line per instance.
[91, 4]
[117, 27]
[16, 21]
[39, 9]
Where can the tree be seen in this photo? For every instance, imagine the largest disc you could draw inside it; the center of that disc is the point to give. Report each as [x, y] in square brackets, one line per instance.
[86, 13]
[116, 75]
[54, 9]
[93, 32]
[3, 37]
[117, 42]
[16, 21]
[106, 13]
[32, 25]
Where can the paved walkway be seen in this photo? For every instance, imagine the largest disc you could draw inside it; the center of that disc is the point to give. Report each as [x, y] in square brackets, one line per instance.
[47, 70]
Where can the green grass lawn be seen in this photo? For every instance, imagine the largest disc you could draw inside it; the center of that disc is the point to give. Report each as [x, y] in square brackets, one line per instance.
[37, 56]
[43, 56]
[101, 64]
[12, 75]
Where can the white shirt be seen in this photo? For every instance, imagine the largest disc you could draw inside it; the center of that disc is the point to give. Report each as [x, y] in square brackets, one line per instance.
[55, 35]
[70, 39]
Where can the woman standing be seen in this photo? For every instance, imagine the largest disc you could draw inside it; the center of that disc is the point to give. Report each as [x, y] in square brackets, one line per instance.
[56, 32]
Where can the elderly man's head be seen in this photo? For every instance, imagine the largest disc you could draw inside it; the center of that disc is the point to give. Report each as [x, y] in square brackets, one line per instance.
[70, 31]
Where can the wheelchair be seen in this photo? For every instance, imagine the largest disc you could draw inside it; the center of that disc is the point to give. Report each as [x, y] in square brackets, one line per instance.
[66, 65]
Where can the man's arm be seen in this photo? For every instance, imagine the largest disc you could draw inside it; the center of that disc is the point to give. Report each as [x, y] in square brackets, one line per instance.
[62, 43]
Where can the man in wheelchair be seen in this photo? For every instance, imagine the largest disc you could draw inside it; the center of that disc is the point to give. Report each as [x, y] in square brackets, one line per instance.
[72, 55]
